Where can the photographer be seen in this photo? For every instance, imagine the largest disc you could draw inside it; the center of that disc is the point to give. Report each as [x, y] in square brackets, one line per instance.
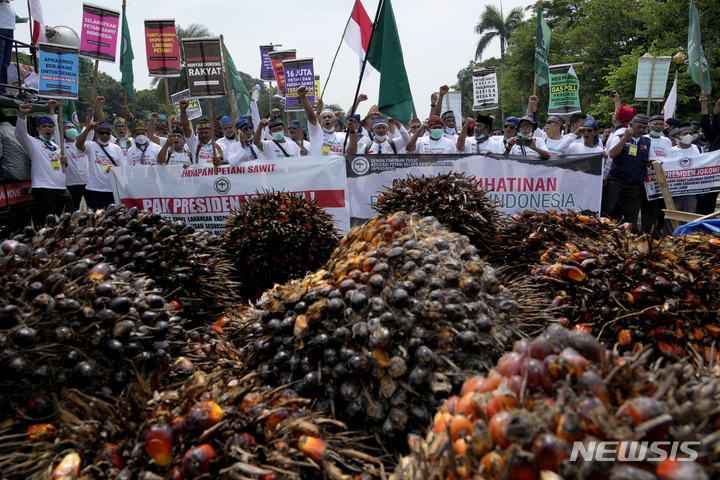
[524, 143]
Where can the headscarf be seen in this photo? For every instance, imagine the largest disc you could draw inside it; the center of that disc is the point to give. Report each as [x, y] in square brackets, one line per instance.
[379, 121]
[225, 121]
[594, 125]
[103, 126]
[514, 120]
[43, 120]
[243, 121]
[203, 124]
[448, 114]
[625, 113]
[435, 121]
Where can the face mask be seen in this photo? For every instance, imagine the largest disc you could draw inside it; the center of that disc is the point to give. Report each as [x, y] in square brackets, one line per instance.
[450, 131]
[141, 139]
[686, 139]
[71, 133]
[480, 138]
[380, 138]
[436, 133]
[695, 136]
[328, 131]
[655, 134]
[104, 144]
[278, 135]
[521, 135]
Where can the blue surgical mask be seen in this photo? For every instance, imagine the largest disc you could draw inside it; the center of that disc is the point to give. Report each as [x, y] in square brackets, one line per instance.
[71, 133]
[278, 135]
[480, 138]
[655, 134]
[450, 131]
[436, 133]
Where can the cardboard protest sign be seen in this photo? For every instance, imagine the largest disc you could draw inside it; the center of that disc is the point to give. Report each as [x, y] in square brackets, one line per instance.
[161, 46]
[99, 34]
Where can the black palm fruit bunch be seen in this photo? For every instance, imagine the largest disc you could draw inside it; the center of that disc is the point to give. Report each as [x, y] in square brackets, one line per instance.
[399, 316]
[278, 236]
[452, 198]
[185, 263]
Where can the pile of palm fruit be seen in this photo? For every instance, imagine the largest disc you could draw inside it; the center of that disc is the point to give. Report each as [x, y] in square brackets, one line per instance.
[562, 393]
[402, 313]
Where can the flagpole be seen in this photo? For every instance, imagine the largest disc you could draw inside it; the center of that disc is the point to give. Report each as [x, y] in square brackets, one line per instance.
[338, 50]
[167, 106]
[228, 81]
[94, 85]
[62, 132]
[212, 135]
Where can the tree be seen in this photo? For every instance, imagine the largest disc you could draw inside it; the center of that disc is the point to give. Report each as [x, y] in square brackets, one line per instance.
[493, 25]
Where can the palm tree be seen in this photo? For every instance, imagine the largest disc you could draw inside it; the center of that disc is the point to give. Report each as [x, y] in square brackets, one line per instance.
[493, 25]
[176, 84]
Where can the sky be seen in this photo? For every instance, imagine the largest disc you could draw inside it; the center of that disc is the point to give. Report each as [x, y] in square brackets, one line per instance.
[438, 40]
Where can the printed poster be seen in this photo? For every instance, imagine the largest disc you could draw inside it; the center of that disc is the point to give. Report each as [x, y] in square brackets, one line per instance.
[277, 59]
[687, 175]
[99, 34]
[564, 91]
[298, 73]
[655, 70]
[266, 68]
[161, 46]
[204, 67]
[485, 89]
[58, 68]
[194, 109]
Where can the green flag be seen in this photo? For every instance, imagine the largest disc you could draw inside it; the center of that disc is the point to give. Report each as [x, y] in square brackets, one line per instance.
[69, 112]
[385, 55]
[542, 49]
[238, 91]
[696, 55]
[126, 56]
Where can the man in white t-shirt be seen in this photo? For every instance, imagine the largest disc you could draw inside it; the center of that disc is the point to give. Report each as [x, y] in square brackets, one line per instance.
[245, 132]
[660, 147]
[382, 144]
[202, 149]
[480, 143]
[102, 156]
[524, 143]
[46, 172]
[435, 143]
[510, 126]
[450, 132]
[76, 173]
[684, 148]
[120, 128]
[589, 140]
[144, 152]
[178, 154]
[553, 129]
[278, 147]
[229, 131]
[324, 140]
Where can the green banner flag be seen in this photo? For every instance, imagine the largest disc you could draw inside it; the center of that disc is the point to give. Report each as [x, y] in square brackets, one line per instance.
[385, 55]
[542, 49]
[564, 91]
[126, 56]
[696, 56]
[69, 112]
[238, 91]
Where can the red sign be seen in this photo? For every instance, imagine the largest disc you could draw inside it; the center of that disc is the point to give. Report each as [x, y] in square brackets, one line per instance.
[17, 193]
[161, 45]
[277, 63]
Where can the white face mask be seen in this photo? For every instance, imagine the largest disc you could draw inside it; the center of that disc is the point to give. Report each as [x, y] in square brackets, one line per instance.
[695, 136]
[141, 139]
[686, 139]
[380, 138]
[328, 131]
[450, 131]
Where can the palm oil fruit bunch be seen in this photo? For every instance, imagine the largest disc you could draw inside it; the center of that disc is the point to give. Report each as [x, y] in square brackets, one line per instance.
[69, 323]
[635, 291]
[562, 393]
[275, 237]
[452, 198]
[401, 314]
[525, 236]
[185, 263]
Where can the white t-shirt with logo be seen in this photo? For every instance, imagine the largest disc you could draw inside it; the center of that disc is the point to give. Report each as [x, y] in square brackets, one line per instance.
[472, 147]
[137, 155]
[322, 143]
[76, 172]
[125, 144]
[527, 151]
[426, 145]
[45, 169]
[554, 146]
[178, 158]
[659, 147]
[202, 154]
[678, 151]
[99, 165]
[272, 149]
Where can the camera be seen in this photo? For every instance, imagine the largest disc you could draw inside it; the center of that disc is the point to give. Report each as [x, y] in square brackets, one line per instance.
[524, 141]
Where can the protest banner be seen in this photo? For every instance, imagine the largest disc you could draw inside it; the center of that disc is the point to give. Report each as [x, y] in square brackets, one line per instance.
[317, 90]
[485, 91]
[99, 34]
[277, 58]
[564, 91]
[651, 79]
[163, 51]
[452, 102]
[298, 73]
[200, 198]
[687, 175]
[58, 68]
[563, 183]
[203, 59]
[194, 109]
[266, 67]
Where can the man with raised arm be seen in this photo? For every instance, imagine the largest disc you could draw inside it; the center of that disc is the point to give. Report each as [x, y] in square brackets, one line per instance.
[178, 154]
[381, 143]
[434, 143]
[321, 129]
[119, 125]
[200, 145]
[524, 143]
[144, 152]
[278, 147]
[480, 143]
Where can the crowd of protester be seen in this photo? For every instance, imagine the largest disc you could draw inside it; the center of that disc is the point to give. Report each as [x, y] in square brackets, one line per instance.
[628, 142]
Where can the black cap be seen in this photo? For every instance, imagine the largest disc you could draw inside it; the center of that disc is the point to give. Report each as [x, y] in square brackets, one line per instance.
[485, 120]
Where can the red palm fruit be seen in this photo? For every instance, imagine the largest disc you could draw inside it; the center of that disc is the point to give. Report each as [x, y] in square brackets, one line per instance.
[586, 345]
[505, 395]
[643, 409]
[540, 348]
[492, 408]
[460, 446]
[570, 427]
[275, 419]
[203, 415]
[178, 425]
[251, 399]
[68, 468]
[666, 349]
[583, 327]
[243, 439]
[711, 354]
[464, 406]
[676, 470]
[99, 272]
[472, 384]
[521, 347]
[442, 420]
[460, 426]
[698, 333]
[493, 465]
[222, 322]
[679, 351]
[592, 412]
[533, 369]
[580, 256]
[577, 363]
[173, 474]
[39, 431]
[549, 451]
[557, 301]
[196, 460]
[313, 447]
[183, 366]
[637, 347]
[572, 273]
[522, 466]
[159, 444]
[497, 428]
[111, 454]
[587, 220]
[713, 330]
[451, 405]
[591, 382]
[510, 364]
[624, 337]
[491, 383]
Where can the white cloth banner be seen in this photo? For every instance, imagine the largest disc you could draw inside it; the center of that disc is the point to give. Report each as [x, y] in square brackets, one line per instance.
[485, 91]
[199, 197]
[571, 182]
[691, 175]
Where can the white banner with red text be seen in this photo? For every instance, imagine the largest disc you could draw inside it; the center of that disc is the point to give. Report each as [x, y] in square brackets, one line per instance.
[687, 175]
[201, 198]
[517, 183]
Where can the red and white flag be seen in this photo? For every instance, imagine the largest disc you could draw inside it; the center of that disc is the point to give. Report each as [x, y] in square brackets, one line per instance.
[357, 34]
[38, 26]
[671, 102]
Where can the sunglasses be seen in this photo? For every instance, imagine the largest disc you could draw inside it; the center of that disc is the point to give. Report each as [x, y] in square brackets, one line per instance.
[510, 126]
[292, 128]
[104, 132]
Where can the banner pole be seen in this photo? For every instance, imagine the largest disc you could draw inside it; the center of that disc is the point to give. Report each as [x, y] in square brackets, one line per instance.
[167, 106]
[212, 135]
[535, 86]
[228, 81]
[269, 97]
[652, 74]
[62, 132]
[94, 85]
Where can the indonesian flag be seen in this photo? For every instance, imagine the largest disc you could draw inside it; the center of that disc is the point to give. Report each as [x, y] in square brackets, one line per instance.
[357, 34]
[38, 26]
[671, 102]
